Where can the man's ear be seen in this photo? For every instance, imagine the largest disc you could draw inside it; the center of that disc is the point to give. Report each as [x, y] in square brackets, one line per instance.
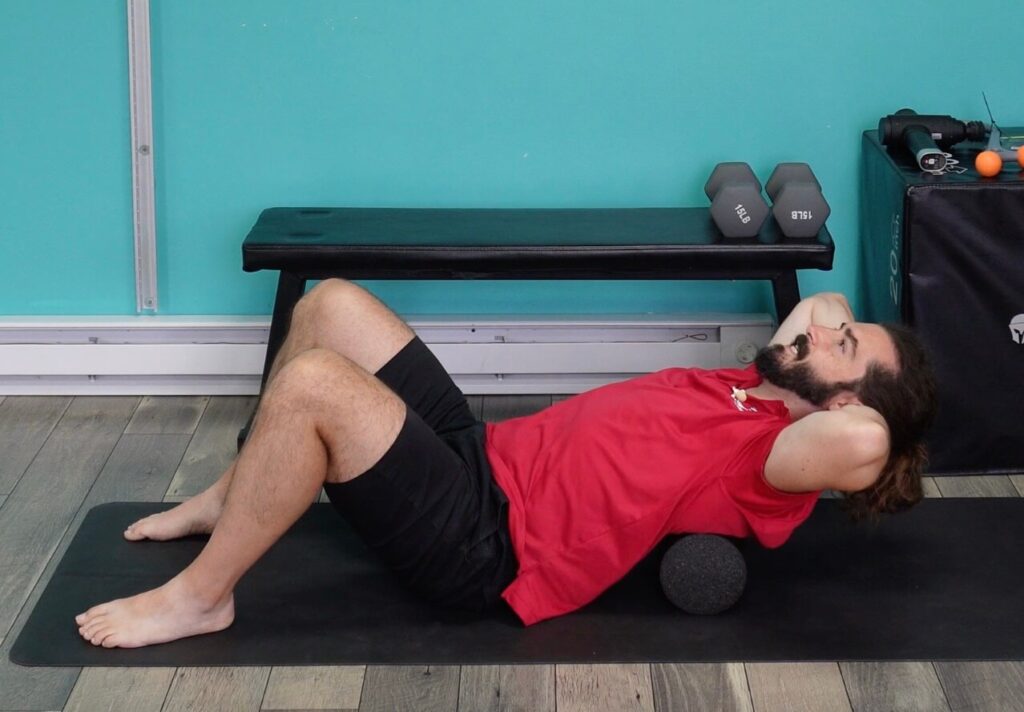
[841, 399]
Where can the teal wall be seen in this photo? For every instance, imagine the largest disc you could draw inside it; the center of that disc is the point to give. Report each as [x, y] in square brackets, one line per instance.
[262, 103]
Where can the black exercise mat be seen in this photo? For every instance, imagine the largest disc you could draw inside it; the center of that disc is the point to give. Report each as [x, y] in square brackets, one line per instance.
[941, 582]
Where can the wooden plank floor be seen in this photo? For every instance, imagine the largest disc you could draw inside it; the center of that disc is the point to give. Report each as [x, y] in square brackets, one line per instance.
[61, 456]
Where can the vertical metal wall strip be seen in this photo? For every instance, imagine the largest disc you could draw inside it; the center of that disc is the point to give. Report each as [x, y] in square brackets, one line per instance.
[143, 192]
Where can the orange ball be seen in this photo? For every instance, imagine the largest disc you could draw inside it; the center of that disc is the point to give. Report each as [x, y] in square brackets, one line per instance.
[1020, 156]
[988, 163]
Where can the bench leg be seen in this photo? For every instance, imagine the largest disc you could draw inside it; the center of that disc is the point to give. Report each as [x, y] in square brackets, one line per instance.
[290, 289]
[786, 291]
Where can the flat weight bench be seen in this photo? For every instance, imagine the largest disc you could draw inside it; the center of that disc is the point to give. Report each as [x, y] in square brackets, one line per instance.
[621, 243]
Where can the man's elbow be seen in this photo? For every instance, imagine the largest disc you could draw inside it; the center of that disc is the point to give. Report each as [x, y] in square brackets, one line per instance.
[833, 298]
[870, 454]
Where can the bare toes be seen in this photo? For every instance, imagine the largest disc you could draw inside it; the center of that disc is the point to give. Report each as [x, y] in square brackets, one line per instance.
[132, 533]
[92, 616]
[89, 630]
[97, 637]
[96, 612]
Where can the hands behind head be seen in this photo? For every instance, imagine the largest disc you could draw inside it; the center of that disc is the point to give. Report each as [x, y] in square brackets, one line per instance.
[855, 408]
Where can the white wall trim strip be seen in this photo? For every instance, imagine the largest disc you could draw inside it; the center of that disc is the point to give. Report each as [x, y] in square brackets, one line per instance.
[143, 185]
[196, 355]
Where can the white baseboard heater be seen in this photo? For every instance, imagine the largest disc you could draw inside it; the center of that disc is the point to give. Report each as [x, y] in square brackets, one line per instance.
[557, 354]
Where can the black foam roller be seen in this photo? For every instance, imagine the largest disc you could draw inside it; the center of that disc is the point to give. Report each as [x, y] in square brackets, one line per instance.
[703, 574]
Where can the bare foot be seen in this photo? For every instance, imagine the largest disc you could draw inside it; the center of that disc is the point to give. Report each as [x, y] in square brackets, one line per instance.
[166, 613]
[197, 515]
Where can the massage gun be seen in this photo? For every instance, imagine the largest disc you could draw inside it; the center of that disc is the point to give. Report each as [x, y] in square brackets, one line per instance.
[927, 136]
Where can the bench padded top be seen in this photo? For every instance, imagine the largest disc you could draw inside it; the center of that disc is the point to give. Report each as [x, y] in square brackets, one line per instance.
[449, 243]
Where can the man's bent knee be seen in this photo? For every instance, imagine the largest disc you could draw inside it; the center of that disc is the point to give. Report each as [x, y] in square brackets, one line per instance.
[357, 417]
[342, 316]
[334, 289]
[312, 375]
[328, 299]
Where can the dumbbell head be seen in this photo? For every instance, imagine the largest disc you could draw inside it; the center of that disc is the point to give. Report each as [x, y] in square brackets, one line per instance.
[730, 171]
[789, 173]
[737, 206]
[797, 203]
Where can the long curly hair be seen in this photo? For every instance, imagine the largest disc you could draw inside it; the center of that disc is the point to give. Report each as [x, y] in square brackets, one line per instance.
[908, 401]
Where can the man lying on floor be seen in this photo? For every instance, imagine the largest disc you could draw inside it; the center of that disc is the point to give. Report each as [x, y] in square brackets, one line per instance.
[545, 511]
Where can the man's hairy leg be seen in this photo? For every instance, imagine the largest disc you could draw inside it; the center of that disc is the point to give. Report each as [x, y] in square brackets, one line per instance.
[196, 515]
[325, 419]
[345, 318]
[336, 315]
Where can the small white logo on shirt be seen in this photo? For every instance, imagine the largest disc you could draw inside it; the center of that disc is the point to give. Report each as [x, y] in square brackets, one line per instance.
[739, 397]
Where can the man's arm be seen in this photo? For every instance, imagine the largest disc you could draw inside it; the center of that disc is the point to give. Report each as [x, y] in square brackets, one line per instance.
[842, 449]
[826, 309]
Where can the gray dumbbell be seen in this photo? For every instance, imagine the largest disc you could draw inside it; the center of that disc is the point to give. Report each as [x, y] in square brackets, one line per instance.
[737, 206]
[797, 203]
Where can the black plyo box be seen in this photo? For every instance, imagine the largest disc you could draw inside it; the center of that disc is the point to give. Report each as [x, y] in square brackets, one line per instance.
[944, 254]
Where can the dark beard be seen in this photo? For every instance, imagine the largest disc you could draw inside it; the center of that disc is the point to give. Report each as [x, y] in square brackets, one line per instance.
[797, 377]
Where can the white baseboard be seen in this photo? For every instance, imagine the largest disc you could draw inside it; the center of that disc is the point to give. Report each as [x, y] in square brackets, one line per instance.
[484, 354]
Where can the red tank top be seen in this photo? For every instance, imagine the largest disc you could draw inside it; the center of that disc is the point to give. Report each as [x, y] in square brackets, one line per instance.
[596, 481]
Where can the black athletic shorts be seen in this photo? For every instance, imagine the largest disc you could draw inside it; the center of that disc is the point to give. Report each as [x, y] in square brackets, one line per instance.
[430, 508]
